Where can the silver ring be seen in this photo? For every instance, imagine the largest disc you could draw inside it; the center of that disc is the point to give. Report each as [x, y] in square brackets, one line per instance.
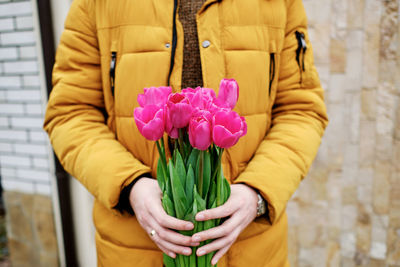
[153, 232]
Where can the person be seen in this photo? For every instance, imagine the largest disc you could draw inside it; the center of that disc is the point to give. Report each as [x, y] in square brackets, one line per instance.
[111, 50]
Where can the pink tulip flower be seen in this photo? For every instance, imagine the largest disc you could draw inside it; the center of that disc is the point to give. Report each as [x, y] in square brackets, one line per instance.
[228, 127]
[169, 128]
[154, 96]
[150, 121]
[228, 93]
[179, 109]
[200, 130]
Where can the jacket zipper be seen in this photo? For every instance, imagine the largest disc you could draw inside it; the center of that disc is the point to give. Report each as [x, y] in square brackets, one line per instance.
[271, 71]
[300, 52]
[174, 42]
[113, 64]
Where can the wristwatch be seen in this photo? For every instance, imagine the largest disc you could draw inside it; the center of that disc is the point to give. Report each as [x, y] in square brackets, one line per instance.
[261, 207]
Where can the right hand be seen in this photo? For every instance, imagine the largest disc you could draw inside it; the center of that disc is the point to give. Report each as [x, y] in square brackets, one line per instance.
[145, 199]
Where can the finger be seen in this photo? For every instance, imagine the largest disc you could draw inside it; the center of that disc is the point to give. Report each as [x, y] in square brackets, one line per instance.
[173, 237]
[217, 244]
[172, 247]
[167, 221]
[219, 212]
[222, 230]
[166, 251]
[219, 255]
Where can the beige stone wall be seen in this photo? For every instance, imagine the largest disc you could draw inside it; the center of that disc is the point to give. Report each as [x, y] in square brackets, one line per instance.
[347, 211]
[30, 230]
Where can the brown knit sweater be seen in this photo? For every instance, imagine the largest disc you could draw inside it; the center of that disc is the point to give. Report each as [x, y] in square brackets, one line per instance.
[191, 73]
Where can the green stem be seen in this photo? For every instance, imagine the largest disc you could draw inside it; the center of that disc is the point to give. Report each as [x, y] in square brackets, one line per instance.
[201, 166]
[161, 152]
[219, 179]
[180, 140]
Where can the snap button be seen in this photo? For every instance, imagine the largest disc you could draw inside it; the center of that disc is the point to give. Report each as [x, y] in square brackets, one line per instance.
[205, 44]
[167, 45]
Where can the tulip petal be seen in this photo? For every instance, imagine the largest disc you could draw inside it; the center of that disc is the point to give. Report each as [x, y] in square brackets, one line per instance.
[223, 138]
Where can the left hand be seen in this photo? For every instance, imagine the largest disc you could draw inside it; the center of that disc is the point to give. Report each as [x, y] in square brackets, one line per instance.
[242, 209]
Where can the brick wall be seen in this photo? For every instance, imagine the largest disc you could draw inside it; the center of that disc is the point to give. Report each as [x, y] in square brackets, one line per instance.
[26, 162]
[24, 149]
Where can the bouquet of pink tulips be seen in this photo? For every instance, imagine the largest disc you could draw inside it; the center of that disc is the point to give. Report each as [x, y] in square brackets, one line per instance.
[200, 126]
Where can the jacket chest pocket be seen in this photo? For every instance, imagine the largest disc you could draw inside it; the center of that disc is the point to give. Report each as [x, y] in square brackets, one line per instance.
[305, 61]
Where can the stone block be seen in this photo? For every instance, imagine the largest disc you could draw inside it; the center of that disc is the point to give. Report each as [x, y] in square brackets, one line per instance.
[20, 228]
[337, 85]
[320, 43]
[22, 253]
[339, 13]
[349, 195]
[33, 212]
[44, 225]
[355, 16]
[333, 254]
[363, 235]
[338, 58]
[348, 244]
[368, 104]
[381, 188]
[367, 143]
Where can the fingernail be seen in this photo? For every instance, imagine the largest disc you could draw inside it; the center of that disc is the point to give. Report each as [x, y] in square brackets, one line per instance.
[200, 252]
[196, 238]
[199, 217]
[189, 226]
[187, 251]
[213, 262]
[172, 255]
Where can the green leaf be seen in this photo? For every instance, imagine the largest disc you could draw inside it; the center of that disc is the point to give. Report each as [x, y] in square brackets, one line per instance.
[168, 261]
[212, 194]
[180, 168]
[206, 174]
[160, 175]
[227, 190]
[201, 203]
[179, 196]
[168, 205]
[189, 185]
[193, 161]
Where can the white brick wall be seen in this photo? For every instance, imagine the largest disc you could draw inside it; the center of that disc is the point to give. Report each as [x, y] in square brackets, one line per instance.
[17, 38]
[24, 23]
[24, 148]
[15, 9]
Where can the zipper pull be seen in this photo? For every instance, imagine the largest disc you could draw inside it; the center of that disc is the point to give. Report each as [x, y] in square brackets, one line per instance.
[304, 46]
[299, 47]
[112, 71]
[271, 71]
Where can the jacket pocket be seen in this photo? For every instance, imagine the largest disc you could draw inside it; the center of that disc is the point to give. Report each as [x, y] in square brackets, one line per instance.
[301, 53]
[113, 65]
[272, 71]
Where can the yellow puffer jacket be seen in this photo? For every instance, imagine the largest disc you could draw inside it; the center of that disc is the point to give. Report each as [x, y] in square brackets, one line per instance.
[263, 44]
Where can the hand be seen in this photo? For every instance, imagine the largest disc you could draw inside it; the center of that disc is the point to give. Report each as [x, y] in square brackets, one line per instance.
[242, 209]
[145, 199]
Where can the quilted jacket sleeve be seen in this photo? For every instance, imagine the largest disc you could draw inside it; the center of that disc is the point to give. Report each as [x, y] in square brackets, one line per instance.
[298, 122]
[74, 120]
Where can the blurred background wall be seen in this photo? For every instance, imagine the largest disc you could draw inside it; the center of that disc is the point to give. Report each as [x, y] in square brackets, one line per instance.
[347, 211]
